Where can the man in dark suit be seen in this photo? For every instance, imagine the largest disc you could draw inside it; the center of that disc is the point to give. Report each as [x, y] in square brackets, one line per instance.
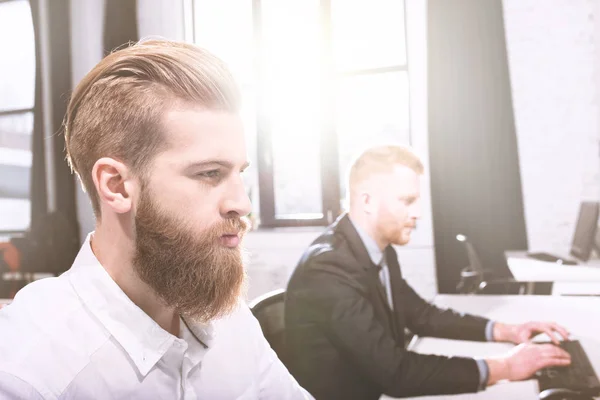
[347, 304]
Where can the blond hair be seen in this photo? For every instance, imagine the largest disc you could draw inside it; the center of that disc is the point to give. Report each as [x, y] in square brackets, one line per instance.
[380, 160]
[117, 109]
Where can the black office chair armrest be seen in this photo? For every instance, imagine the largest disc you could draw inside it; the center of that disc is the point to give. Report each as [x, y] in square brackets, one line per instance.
[470, 280]
[512, 287]
[502, 287]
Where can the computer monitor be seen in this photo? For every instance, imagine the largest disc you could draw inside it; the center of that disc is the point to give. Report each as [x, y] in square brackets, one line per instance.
[584, 238]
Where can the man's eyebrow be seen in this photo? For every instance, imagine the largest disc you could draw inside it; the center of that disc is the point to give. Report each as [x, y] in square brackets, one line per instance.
[409, 197]
[209, 163]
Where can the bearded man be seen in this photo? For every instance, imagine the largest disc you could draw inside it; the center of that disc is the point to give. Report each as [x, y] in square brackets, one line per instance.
[152, 306]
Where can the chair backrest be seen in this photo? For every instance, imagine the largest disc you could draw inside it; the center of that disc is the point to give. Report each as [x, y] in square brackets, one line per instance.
[474, 261]
[584, 237]
[474, 279]
[269, 311]
[472, 275]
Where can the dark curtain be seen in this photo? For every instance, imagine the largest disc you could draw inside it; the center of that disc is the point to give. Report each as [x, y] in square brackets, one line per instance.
[37, 192]
[120, 23]
[53, 239]
[475, 177]
[64, 222]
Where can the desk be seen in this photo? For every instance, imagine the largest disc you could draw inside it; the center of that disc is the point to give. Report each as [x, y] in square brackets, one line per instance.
[572, 312]
[569, 279]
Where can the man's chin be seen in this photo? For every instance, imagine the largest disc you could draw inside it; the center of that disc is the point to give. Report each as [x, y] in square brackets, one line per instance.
[224, 309]
[204, 319]
[402, 240]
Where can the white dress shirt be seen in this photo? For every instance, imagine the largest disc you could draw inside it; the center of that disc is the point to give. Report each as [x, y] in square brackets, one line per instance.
[79, 336]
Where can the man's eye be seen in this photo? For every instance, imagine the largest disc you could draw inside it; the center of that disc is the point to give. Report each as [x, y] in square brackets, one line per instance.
[215, 173]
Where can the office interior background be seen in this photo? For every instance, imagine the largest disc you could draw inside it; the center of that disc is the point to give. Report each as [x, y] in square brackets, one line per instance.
[499, 98]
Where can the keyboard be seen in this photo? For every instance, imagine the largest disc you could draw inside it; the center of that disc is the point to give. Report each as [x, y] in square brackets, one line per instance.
[551, 258]
[579, 376]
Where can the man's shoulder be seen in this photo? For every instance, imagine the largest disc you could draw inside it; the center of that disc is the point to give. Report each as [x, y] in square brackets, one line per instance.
[227, 343]
[47, 335]
[40, 302]
[239, 316]
[329, 263]
[330, 249]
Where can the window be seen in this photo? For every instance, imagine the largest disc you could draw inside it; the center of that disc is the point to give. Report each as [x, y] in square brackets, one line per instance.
[17, 89]
[322, 80]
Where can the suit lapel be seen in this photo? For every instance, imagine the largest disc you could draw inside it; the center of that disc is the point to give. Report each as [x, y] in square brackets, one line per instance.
[345, 226]
[376, 282]
[396, 285]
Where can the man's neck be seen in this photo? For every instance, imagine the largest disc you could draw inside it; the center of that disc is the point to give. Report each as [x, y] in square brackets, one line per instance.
[115, 250]
[360, 220]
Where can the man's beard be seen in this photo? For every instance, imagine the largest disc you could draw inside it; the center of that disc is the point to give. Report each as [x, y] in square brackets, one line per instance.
[391, 231]
[196, 275]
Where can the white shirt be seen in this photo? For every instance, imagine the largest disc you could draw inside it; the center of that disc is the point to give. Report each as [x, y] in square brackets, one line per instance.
[79, 336]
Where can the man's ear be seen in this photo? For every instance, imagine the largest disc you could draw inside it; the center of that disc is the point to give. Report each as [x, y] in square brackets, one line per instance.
[114, 184]
[367, 201]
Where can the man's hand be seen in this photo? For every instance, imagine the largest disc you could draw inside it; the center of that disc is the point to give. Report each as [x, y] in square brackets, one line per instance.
[518, 334]
[525, 360]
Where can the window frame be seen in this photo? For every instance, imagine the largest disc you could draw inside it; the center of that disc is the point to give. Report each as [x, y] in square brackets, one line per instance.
[17, 111]
[331, 197]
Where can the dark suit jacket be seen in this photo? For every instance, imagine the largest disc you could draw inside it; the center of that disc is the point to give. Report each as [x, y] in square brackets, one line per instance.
[344, 340]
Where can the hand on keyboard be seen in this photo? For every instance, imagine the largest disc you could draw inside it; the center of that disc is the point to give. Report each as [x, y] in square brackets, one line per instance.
[525, 360]
[579, 375]
[525, 332]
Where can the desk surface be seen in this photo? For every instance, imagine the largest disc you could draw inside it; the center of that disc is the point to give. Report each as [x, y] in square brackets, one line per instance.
[581, 315]
[592, 262]
[530, 270]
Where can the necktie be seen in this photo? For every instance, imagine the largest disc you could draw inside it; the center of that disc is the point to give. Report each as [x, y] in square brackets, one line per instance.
[384, 277]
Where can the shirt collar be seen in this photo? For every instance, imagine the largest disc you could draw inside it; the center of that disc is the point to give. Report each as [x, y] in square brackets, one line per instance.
[375, 254]
[141, 337]
[198, 338]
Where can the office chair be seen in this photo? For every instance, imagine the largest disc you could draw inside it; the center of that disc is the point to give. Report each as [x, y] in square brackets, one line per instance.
[268, 309]
[474, 279]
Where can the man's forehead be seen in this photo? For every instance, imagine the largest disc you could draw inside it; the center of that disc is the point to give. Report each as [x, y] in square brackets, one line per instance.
[401, 181]
[186, 124]
[202, 134]
[397, 173]
[402, 171]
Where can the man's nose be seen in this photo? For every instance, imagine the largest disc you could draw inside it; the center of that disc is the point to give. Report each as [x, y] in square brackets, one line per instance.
[236, 200]
[415, 210]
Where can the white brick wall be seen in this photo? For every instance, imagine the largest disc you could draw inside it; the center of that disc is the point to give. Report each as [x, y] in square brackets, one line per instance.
[275, 253]
[273, 257]
[553, 64]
